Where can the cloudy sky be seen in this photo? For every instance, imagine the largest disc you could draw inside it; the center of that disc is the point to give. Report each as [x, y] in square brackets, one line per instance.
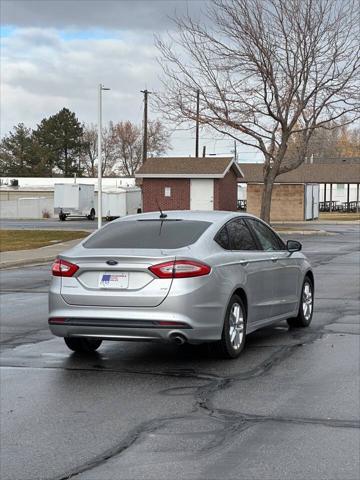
[54, 53]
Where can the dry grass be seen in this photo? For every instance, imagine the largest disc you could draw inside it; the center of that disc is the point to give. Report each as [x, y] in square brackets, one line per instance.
[11, 240]
[339, 216]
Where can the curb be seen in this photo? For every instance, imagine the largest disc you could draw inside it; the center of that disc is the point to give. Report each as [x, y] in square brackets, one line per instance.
[38, 256]
[304, 232]
[319, 222]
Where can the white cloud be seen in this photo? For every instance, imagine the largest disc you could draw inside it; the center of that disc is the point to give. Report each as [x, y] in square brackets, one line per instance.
[55, 53]
[40, 77]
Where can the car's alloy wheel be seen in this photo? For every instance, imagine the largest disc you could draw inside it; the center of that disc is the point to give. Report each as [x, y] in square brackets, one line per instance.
[306, 307]
[83, 345]
[236, 326]
[307, 301]
[234, 330]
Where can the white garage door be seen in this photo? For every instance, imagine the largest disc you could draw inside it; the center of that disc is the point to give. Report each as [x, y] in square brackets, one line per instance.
[201, 194]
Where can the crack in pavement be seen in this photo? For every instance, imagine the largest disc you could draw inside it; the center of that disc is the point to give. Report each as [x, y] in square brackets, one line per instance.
[233, 422]
[9, 343]
[229, 422]
[326, 257]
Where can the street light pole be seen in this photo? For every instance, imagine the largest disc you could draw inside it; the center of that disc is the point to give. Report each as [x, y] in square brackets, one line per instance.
[101, 88]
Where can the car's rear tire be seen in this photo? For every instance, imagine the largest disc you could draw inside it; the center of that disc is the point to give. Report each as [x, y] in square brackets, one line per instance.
[91, 216]
[234, 330]
[83, 345]
[306, 307]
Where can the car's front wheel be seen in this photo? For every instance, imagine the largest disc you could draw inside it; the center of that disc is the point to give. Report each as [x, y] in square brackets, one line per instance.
[83, 345]
[306, 306]
[234, 331]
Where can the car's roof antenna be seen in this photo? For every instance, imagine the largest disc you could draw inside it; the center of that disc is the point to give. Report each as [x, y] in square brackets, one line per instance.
[162, 214]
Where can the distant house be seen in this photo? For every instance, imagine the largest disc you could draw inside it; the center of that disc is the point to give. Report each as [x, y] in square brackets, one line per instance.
[291, 193]
[188, 183]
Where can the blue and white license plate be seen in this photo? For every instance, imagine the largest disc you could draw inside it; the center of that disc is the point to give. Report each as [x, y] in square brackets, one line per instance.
[115, 280]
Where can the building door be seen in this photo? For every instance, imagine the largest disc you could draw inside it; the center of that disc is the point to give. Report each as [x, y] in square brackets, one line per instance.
[311, 201]
[201, 194]
[316, 196]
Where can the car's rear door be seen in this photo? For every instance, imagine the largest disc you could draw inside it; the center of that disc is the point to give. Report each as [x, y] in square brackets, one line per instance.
[253, 264]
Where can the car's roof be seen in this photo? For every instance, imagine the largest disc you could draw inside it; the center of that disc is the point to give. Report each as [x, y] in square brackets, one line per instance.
[213, 216]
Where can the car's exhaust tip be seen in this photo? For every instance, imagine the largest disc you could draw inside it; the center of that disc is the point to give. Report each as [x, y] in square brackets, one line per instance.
[178, 338]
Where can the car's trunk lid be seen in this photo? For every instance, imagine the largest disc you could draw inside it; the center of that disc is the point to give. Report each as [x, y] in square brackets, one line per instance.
[116, 280]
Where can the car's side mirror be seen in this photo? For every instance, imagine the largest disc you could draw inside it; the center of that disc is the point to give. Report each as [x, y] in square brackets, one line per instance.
[293, 246]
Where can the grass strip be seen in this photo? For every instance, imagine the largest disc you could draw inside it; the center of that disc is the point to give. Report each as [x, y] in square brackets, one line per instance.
[11, 240]
[339, 216]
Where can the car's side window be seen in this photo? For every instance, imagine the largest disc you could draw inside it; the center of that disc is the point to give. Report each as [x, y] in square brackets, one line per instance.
[222, 238]
[240, 236]
[267, 238]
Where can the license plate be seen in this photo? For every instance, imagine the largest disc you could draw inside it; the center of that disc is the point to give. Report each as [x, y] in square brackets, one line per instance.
[118, 280]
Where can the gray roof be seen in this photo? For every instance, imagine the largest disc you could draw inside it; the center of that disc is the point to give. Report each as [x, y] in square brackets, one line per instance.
[190, 167]
[336, 160]
[307, 173]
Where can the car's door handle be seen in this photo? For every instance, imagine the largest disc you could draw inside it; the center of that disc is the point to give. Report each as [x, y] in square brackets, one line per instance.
[243, 262]
[274, 259]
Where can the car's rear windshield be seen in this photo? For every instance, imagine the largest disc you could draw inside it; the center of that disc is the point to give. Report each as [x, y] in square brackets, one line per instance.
[165, 234]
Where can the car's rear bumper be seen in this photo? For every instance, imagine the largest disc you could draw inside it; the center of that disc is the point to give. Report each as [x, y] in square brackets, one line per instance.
[196, 315]
[102, 329]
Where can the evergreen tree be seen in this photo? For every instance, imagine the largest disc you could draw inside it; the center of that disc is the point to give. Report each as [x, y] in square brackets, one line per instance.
[19, 153]
[60, 138]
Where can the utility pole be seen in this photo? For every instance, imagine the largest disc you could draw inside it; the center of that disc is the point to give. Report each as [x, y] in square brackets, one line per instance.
[235, 150]
[101, 88]
[197, 124]
[145, 139]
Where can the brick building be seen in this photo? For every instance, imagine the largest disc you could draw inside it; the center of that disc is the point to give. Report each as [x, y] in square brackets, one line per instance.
[289, 199]
[188, 183]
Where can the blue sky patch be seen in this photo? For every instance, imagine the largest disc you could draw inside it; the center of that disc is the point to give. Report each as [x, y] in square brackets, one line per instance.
[91, 34]
[7, 30]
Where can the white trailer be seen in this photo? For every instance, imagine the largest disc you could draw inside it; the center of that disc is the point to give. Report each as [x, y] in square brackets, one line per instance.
[74, 200]
[121, 202]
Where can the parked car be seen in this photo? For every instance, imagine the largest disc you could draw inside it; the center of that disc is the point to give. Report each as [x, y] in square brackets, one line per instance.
[182, 276]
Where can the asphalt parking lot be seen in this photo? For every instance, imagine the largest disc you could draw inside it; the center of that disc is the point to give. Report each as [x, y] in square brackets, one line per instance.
[288, 408]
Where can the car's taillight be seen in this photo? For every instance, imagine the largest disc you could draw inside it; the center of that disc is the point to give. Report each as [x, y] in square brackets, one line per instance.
[62, 268]
[180, 269]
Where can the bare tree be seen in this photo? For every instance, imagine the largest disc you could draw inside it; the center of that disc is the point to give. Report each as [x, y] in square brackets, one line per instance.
[89, 152]
[88, 157]
[127, 140]
[266, 70]
[109, 150]
[329, 143]
[128, 147]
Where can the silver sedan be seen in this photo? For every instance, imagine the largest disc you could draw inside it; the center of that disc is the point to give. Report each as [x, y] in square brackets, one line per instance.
[179, 276]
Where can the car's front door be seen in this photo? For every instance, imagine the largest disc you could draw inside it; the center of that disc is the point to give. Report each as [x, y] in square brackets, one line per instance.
[285, 268]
